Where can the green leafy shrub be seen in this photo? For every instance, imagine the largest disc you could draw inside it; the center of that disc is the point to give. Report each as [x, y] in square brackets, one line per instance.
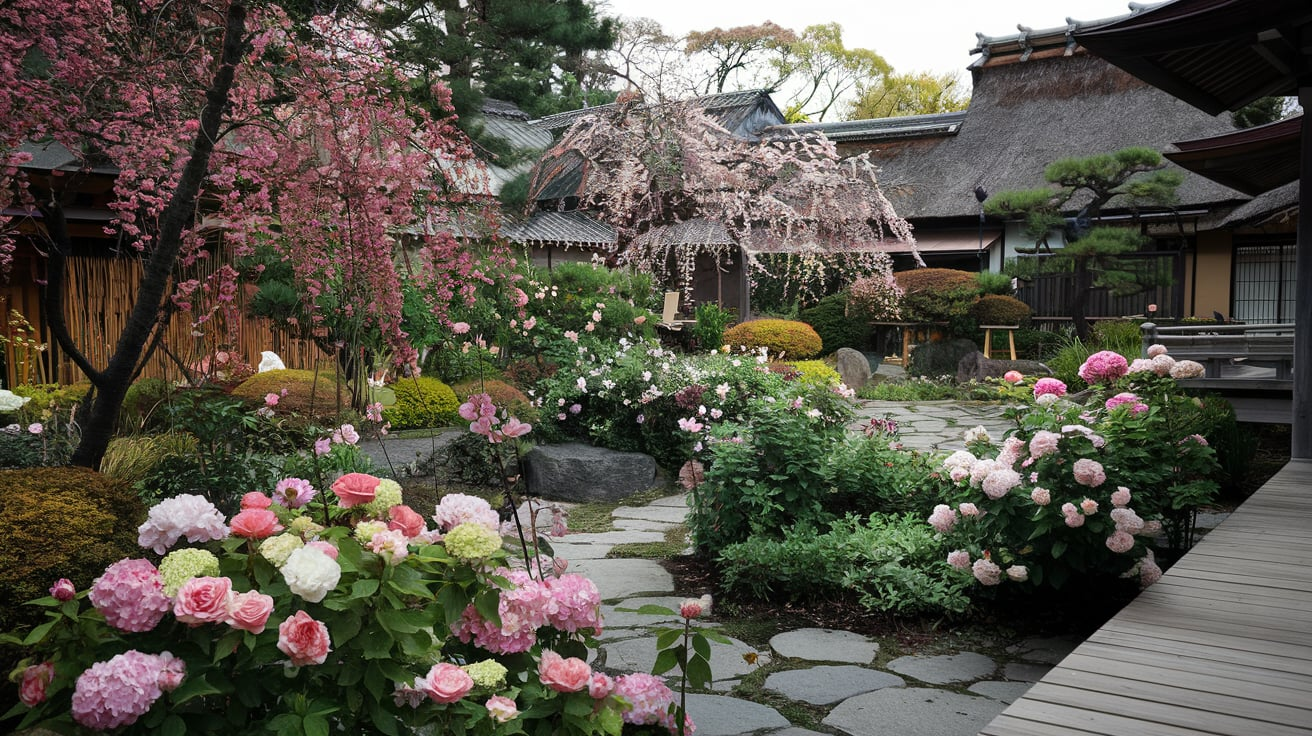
[421, 401]
[914, 388]
[780, 337]
[504, 395]
[141, 402]
[131, 459]
[895, 564]
[993, 309]
[60, 523]
[835, 327]
[712, 321]
[868, 476]
[1036, 344]
[936, 294]
[314, 394]
[992, 282]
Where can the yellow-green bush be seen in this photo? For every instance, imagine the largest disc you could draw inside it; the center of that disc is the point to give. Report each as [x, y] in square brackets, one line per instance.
[130, 459]
[996, 309]
[815, 372]
[503, 395]
[783, 338]
[936, 294]
[421, 402]
[60, 523]
[307, 392]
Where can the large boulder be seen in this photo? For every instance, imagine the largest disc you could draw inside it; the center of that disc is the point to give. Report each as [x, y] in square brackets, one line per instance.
[853, 367]
[583, 473]
[974, 366]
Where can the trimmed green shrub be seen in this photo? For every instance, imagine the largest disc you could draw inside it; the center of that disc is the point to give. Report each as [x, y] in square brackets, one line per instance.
[937, 294]
[836, 329]
[307, 392]
[421, 402]
[131, 459]
[711, 322]
[815, 372]
[993, 309]
[992, 282]
[781, 337]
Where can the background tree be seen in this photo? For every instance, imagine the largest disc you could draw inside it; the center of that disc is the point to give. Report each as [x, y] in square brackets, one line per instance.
[915, 93]
[1264, 110]
[1092, 252]
[291, 136]
[743, 57]
[825, 70]
[647, 60]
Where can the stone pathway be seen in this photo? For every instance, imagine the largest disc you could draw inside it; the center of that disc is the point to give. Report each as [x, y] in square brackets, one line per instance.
[934, 425]
[838, 671]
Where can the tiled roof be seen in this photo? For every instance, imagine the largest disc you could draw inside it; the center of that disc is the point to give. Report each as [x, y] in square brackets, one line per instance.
[697, 231]
[910, 126]
[730, 109]
[572, 227]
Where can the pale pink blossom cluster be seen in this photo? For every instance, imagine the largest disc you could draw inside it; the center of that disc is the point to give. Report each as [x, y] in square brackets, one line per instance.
[1155, 350]
[522, 610]
[563, 674]
[943, 518]
[1121, 496]
[1139, 365]
[1126, 398]
[1071, 513]
[969, 510]
[1089, 472]
[481, 414]
[650, 701]
[1186, 369]
[130, 594]
[959, 558]
[1012, 449]
[575, 603]
[117, 692]
[1018, 573]
[1048, 385]
[1103, 366]
[998, 482]
[1041, 496]
[1044, 443]
[986, 571]
[187, 515]
[1127, 520]
[1120, 542]
[457, 508]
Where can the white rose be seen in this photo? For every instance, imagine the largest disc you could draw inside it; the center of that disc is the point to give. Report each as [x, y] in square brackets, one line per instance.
[311, 574]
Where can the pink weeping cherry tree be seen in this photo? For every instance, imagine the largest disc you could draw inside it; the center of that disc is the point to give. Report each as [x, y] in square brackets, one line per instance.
[228, 123]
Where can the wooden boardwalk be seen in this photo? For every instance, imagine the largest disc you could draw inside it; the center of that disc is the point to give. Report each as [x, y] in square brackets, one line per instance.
[1221, 645]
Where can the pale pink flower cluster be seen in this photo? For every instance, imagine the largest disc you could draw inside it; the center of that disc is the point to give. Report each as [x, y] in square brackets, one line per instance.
[690, 424]
[986, 571]
[1149, 572]
[1127, 520]
[575, 603]
[1013, 376]
[563, 674]
[130, 594]
[1041, 496]
[1103, 366]
[997, 483]
[943, 518]
[1072, 515]
[457, 508]
[958, 465]
[188, 515]
[1018, 573]
[1155, 350]
[1163, 364]
[522, 609]
[1126, 398]
[1121, 496]
[390, 545]
[959, 558]
[1043, 443]
[345, 435]
[1140, 365]
[1048, 385]
[1120, 542]
[969, 509]
[501, 709]
[1012, 449]
[117, 692]
[481, 414]
[650, 701]
[1089, 472]
[1186, 369]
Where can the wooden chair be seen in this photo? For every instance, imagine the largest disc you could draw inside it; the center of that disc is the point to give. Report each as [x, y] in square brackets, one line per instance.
[670, 313]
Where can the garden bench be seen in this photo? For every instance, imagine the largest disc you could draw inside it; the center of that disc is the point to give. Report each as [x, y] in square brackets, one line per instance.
[670, 313]
[1011, 338]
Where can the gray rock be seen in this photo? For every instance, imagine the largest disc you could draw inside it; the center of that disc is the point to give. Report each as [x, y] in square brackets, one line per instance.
[825, 645]
[625, 578]
[680, 500]
[720, 715]
[626, 619]
[829, 684]
[945, 668]
[974, 366]
[1007, 692]
[578, 472]
[638, 655]
[1024, 671]
[662, 514]
[796, 731]
[913, 712]
[639, 525]
[853, 367]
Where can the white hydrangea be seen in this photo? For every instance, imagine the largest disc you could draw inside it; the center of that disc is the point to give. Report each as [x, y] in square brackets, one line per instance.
[310, 573]
[187, 515]
[10, 401]
[977, 434]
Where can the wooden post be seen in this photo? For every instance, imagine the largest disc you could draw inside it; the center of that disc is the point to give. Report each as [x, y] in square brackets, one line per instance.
[1301, 436]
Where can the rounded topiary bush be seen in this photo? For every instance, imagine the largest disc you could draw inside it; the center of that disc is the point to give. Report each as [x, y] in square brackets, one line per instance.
[503, 395]
[781, 337]
[60, 523]
[835, 327]
[421, 401]
[995, 309]
[815, 372]
[937, 294]
[307, 392]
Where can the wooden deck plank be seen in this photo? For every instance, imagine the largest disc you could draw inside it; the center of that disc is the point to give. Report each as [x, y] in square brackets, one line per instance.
[1221, 645]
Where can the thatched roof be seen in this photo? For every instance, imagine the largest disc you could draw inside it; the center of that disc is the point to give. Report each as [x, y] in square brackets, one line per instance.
[1277, 205]
[907, 126]
[1024, 115]
[745, 114]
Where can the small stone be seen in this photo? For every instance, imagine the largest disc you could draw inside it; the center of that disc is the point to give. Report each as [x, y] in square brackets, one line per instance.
[1049, 650]
[1007, 692]
[913, 712]
[720, 715]
[829, 684]
[663, 514]
[853, 367]
[945, 668]
[825, 645]
[625, 578]
[638, 655]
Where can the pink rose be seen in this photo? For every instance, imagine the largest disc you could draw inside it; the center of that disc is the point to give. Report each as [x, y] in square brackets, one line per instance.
[959, 558]
[271, 399]
[690, 608]
[35, 678]
[323, 547]
[203, 600]
[1013, 376]
[303, 639]
[600, 685]
[501, 708]
[323, 446]
[63, 590]
[447, 683]
[172, 670]
[354, 489]
[255, 500]
[406, 520]
[250, 611]
[563, 675]
[255, 524]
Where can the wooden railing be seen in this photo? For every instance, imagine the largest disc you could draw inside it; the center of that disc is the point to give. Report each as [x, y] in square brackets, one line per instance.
[1257, 356]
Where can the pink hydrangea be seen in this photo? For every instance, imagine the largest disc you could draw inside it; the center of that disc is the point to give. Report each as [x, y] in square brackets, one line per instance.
[1089, 506]
[1186, 369]
[293, 492]
[1149, 572]
[458, 508]
[649, 698]
[1121, 496]
[1043, 443]
[959, 558]
[1018, 573]
[980, 470]
[1155, 350]
[1120, 542]
[1041, 496]
[188, 515]
[999, 482]
[968, 509]
[1013, 376]
[1089, 472]
[1162, 364]
[1051, 386]
[1103, 366]
[600, 685]
[1140, 365]
[117, 692]
[1074, 519]
[986, 571]
[943, 518]
[522, 609]
[1124, 398]
[130, 595]
[1127, 521]
[575, 603]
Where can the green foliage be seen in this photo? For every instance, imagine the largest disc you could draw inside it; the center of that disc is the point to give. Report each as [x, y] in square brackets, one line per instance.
[995, 309]
[59, 522]
[421, 402]
[1261, 111]
[781, 338]
[868, 476]
[1036, 344]
[895, 564]
[836, 329]
[311, 393]
[712, 321]
[937, 294]
[915, 388]
[141, 404]
[992, 282]
[132, 459]
[815, 372]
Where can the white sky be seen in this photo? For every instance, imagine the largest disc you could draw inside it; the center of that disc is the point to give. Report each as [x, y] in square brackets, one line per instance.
[912, 35]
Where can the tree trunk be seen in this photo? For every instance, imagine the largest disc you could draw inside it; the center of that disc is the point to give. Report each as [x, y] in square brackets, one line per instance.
[112, 383]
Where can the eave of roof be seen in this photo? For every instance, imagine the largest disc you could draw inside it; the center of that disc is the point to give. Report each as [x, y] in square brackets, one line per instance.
[1253, 160]
[563, 228]
[910, 126]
